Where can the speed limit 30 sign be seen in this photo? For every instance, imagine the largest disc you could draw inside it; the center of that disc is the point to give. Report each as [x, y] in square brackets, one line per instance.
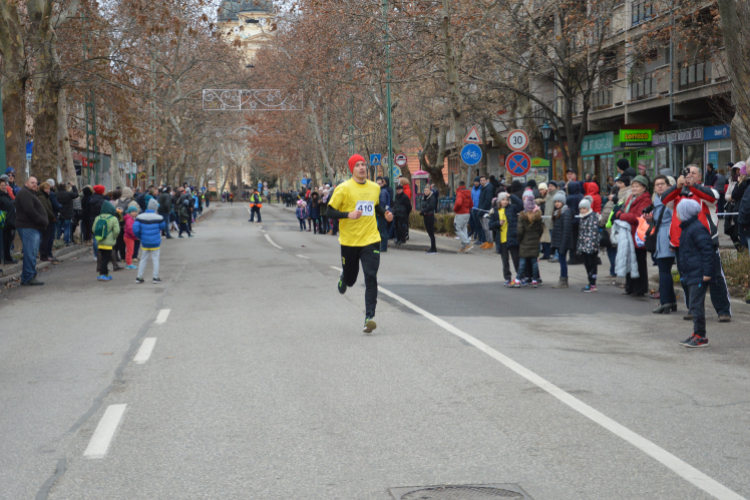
[518, 140]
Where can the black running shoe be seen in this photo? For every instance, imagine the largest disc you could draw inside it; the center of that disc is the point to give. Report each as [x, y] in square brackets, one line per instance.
[342, 285]
[696, 341]
[369, 325]
[139, 280]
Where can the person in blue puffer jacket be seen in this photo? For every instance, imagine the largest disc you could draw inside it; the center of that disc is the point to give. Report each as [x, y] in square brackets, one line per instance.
[147, 228]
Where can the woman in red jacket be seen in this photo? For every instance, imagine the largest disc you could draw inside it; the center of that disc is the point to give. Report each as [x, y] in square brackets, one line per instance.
[629, 212]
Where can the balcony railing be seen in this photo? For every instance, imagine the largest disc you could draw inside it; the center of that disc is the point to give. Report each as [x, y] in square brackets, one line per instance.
[643, 87]
[695, 75]
[601, 99]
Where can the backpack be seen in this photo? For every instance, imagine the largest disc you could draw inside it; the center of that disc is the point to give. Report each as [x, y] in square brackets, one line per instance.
[101, 228]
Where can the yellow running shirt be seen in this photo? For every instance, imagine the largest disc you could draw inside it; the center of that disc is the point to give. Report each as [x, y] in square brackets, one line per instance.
[350, 196]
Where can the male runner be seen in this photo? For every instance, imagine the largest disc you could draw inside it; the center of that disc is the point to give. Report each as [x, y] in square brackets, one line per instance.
[355, 203]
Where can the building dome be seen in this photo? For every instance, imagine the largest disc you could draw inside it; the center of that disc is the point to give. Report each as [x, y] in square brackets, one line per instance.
[230, 9]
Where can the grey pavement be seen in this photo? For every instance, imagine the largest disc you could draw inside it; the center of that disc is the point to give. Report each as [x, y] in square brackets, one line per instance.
[261, 384]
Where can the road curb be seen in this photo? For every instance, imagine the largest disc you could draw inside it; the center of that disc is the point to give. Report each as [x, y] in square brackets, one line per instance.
[81, 250]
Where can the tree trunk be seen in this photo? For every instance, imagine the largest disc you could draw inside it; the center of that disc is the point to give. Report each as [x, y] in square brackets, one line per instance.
[13, 80]
[67, 167]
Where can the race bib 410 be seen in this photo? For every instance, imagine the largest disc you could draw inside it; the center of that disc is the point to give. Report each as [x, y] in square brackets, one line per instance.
[366, 207]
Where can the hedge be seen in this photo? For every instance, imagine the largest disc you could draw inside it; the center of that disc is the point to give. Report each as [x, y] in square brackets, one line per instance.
[443, 223]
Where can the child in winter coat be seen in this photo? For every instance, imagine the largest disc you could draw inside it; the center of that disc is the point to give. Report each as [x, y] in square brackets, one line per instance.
[106, 228]
[504, 220]
[130, 215]
[562, 235]
[185, 218]
[530, 229]
[301, 214]
[147, 228]
[697, 263]
[588, 241]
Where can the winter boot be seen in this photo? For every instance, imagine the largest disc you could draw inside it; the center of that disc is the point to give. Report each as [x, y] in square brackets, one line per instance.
[563, 283]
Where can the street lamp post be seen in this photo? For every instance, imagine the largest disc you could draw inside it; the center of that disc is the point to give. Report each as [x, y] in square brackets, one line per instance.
[388, 93]
[546, 136]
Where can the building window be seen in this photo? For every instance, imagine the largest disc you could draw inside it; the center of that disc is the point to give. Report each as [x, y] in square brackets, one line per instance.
[642, 11]
[602, 99]
[695, 75]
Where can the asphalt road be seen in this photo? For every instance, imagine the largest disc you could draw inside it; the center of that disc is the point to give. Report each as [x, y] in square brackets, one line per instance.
[261, 384]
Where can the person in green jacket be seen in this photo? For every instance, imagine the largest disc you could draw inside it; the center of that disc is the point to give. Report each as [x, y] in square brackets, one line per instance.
[106, 230]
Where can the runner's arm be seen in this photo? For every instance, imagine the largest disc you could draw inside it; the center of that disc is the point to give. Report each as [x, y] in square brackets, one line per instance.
[379, 210]
[332, 213]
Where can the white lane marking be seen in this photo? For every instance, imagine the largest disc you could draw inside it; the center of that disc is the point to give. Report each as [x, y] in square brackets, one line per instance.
[161, 318]
[336, 268]
[272, 242]
[145, 351]
[303, 257]
[104, 432]
[682, 469]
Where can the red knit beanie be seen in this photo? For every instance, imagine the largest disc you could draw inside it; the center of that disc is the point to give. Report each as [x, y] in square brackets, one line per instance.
[99, 189]
[353, 161]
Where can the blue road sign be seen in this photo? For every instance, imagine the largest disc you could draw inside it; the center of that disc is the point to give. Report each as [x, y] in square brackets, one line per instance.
[375, 159]
[303, 182]
[471, 154]
[518, 163]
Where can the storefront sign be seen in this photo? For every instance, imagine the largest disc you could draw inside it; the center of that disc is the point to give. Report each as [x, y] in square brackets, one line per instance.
[676, 136]
[635, 136]
[597, 144]
[539, 162]
[716, 133]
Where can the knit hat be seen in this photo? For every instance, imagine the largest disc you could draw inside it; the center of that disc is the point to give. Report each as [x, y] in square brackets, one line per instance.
[153, 205]
[585, 203]
[553, 183]
[132, 208]
[353, 161]
[501, 196]
[10, 170]
[560, 196]
[51, 182]
[477, 179]
[688, 209]
[623, 164]
[528, 194]
[642, 180]
[99, 189]
[528, 203]
[542, 185]
[4, 178]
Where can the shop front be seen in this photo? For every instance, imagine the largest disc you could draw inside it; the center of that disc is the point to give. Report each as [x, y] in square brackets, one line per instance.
[719, 148]
[636, 146]
[597, 157]
[687, 147]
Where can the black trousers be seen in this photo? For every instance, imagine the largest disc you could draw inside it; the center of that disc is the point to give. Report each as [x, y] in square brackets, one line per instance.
[590, 261]
[638, 286]
[48, 237]
[8, 236]
[505, 252]
[253, 212]
[429, 225]
[402, 223]
[698, 307]
[369, 256]
[102, 261]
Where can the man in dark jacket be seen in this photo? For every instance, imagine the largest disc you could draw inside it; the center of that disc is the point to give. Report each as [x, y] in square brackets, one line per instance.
[575, 195]
[7, 206]
[486, 194]
[165, 206]
[31, 220]
[385, 202]
[65, 199]
[401, 211]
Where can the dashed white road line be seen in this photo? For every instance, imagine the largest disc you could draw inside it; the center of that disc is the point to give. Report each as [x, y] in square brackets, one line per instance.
[104, 432]
[272, 242]
[336, 268]
[145, 351]
[682, 469]
[303, 257]
[161, 318]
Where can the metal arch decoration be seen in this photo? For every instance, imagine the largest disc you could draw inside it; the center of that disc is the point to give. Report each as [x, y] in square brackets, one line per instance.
[251, 100]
